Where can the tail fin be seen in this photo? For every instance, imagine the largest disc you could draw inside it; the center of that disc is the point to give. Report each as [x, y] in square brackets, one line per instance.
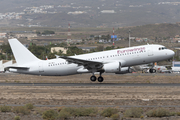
[21, 53]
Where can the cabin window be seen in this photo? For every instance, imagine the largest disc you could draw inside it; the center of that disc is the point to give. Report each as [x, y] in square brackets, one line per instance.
[162, 48]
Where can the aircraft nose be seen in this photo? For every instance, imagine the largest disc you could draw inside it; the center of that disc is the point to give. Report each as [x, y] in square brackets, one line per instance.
[171, 53]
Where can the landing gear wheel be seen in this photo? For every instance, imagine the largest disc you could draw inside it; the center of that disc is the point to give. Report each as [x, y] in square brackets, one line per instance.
[93, 78]
[152, 70]
[145, 70]
[100, 79]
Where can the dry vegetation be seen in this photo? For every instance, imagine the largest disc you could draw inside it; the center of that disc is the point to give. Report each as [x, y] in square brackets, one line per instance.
[94, 96]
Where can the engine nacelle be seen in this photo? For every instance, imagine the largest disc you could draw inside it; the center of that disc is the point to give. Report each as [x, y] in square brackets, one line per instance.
[125, 70]
[112, 67]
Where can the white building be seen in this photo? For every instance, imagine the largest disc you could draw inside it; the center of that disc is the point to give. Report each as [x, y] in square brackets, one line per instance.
[176, 66]
[6, 64]
[3, 35]
[77, 12]
[1, 66]
[57, 49]
[108, 11]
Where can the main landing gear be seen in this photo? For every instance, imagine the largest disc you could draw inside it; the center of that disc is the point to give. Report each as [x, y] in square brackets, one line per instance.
[93, 78]
[152, 70]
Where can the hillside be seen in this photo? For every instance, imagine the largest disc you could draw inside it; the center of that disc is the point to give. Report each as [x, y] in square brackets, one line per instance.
[87, 13]
[164, 30]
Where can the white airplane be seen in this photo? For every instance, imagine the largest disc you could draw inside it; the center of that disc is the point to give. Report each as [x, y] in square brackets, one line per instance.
[112, 61]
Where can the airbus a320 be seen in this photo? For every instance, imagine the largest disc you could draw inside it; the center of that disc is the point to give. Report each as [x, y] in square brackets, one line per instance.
[112, 61]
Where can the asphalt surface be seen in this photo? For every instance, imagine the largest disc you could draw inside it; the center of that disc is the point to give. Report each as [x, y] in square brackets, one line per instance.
[86, 106]
[95, 84]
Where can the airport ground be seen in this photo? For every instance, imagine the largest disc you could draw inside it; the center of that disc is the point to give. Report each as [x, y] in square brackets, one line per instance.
[113, 92]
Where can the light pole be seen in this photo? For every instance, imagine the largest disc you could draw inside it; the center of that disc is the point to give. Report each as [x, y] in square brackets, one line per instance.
[129, 38]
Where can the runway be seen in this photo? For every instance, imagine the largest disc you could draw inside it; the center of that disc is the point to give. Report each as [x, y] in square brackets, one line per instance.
[102, 106]
[95, 84]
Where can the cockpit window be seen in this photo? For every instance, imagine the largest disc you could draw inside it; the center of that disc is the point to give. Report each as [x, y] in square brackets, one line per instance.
[162, 48]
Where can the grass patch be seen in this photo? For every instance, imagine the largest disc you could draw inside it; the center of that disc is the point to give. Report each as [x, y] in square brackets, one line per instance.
[178, 113]
[5, 108]
[133, 113]
[50, 115]
[115, 116]
[17, 118]
[159, 112]
[29, 106]
[21, 109]
[77, 112]
[64, 115]
[108, 112]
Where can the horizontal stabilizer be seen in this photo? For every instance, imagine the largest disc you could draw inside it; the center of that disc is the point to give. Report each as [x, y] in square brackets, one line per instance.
[17, 67]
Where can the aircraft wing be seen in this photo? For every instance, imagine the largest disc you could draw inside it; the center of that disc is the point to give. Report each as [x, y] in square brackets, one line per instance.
[86, 63]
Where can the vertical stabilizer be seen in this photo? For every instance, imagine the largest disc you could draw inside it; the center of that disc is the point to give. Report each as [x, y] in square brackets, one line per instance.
[21, 53]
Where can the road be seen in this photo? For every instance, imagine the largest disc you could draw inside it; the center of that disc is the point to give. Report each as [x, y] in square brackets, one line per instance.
[95, 84]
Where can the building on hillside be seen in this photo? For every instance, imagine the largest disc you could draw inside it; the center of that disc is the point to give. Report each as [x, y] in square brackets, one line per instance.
[1, 42]
[108, 11]
[176, 38]
[76, 41]
[141, 39]
[28, 36]
[3, 35]
[178, 23]
[57, 49]
[77, 12]
[88, 48]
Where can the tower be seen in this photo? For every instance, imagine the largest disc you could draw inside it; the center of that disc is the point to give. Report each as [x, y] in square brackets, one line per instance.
[69, 34]
[113, 36]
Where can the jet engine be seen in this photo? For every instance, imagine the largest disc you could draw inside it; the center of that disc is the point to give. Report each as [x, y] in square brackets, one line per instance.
[125, 70]
[112, 67]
